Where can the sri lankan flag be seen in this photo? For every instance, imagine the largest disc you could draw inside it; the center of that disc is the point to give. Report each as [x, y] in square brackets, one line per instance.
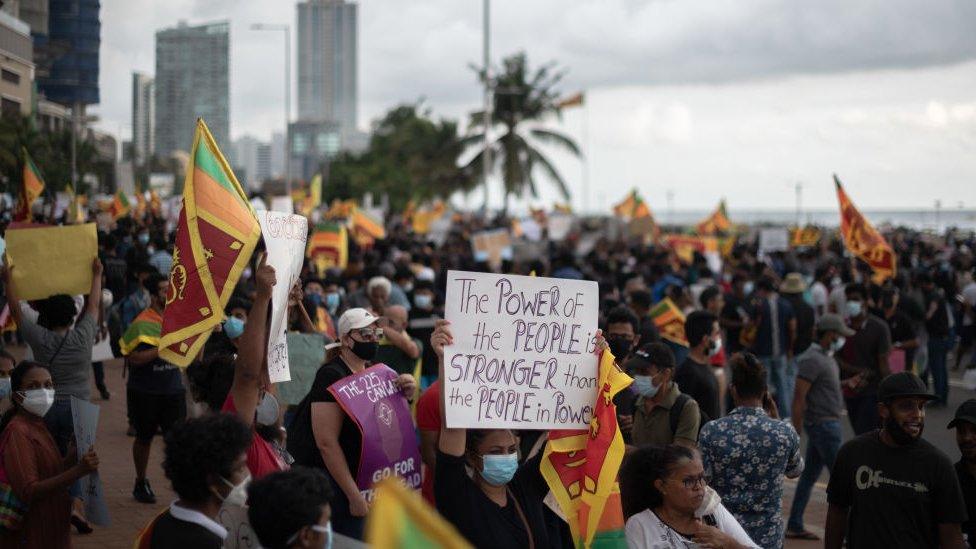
[632, 207]
[863, 240]
[76, 205]
[215, 237]
[581, 467]
[670, 321]
[717, 222]
[31, 188]
[365, 229]
[120, 205]
[144, 329]
[400, 519]
[808, 236]
[328, 247]
[575, 100]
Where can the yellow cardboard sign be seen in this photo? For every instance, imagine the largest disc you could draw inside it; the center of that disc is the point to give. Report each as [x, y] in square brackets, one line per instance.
[52, 260]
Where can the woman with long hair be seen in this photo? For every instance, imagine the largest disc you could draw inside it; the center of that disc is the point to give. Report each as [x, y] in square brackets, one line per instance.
[668, 504]
[33, 467]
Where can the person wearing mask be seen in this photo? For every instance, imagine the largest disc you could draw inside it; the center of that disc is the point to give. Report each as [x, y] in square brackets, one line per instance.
[751, 434]
[7, 363]
[378, 294]
[662, 414]
[290, 509]
[639, 301]
[735, 315]
[322, 435]
[160, 258]
[890, 487]
[205, 460]
[694, 376]
[820, 289]
[501, 503]
[398, 349]
[792, 290]
[713, 301]
[863, 361]
[964, 423]
[775, 336]
[65, 346]
[422, 315]
[154, 389]
[622, 335]
[818, 405]
[38, 473]
[939, 323]
[668, 505]
[315, 304]
[903, 337]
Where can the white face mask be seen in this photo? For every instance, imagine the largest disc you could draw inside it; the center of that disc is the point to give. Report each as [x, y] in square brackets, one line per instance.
[837, 345]
[37, 401]
[715, 347]
[267, 410]
[238, 493]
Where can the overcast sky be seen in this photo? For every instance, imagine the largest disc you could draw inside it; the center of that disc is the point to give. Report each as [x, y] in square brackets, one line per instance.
[734, 98]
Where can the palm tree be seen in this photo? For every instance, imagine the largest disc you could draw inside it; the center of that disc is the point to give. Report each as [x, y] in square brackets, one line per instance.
[520, 99]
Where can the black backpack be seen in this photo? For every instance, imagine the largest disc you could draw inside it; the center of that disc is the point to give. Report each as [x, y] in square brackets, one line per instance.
[674, 415]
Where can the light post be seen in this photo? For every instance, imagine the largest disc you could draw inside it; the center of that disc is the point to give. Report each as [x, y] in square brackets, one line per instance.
[287, 30]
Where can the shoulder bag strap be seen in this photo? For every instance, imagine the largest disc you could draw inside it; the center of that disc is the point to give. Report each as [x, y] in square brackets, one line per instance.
[525, 521]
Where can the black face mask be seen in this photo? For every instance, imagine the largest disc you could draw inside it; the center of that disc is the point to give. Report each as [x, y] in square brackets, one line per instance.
[898, 434]
[619, 347]
[365, 350]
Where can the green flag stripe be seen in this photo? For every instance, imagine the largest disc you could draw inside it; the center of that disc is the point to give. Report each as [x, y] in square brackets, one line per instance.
[412, 537]
[207, 162]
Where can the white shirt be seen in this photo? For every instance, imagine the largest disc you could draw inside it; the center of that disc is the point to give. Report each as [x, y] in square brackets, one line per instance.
[819, 295]
[196, 517]
[646, 531]
[969, 295]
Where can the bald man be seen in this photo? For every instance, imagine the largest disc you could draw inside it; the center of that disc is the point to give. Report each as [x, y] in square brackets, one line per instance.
[397, 349]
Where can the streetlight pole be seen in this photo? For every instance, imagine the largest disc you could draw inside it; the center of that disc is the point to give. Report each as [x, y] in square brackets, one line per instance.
[486, 156]
[287, 31]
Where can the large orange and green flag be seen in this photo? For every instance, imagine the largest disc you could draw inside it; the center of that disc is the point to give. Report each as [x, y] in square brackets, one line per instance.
[328, 247]
[401, 519]
[145, 329]
[120, 206]
[215, 237]
[670, 321]
[632, 207]
[581, 467]
[717, 222]
[863, 240]
[31, 188]
[365, 228]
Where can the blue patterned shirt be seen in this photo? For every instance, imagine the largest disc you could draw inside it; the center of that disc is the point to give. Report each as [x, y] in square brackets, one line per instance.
[746, 454]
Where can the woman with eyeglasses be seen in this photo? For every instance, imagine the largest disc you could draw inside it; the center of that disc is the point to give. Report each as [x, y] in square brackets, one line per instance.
[668, 504]
[322, 435]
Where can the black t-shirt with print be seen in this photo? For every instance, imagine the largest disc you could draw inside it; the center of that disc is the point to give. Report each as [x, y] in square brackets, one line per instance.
[897, 497]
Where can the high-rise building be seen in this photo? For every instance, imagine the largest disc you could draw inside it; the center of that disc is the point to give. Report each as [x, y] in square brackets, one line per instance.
[16, 67]
[66, 52]
[277, 154]
[143, 118]
[192, 80]
[262, 164]
[327, 63]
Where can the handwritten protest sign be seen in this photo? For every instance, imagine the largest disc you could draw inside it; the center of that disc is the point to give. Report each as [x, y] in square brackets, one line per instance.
[52, 260]
[306, 353]
[492, 247]
[374, 402]
[85, 417]
[285, 236]
[523, 351]
[240, 535]
[774, 240]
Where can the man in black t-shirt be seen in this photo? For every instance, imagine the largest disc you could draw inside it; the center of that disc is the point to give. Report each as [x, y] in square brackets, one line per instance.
[891, 488]
[903, 336]
[965, 426]
[694, 376]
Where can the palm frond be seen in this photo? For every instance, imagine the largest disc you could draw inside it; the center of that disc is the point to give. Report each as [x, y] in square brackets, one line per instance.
[551, 137]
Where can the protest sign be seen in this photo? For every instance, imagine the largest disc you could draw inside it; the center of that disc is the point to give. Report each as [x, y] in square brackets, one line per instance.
[240, 535]
[374, 402]
[85, 417]
[306, 353]
[523, 351]
[492, 247]
[774, 240]
[285, 236]
[52, 260]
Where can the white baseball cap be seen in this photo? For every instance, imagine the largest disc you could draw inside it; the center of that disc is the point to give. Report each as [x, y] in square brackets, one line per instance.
[354, 319]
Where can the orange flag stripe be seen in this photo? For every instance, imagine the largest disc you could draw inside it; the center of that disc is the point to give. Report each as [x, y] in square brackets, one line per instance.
[212, 197]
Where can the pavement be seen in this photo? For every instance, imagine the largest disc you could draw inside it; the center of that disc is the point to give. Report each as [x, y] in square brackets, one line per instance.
[129, 517]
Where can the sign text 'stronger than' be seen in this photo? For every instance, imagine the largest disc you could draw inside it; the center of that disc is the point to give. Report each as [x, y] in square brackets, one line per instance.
[522, 356]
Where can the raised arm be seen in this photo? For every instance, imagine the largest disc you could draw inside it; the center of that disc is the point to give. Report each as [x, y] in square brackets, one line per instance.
[253, 348]
[13, 303]
[95, 295]
[452, 441]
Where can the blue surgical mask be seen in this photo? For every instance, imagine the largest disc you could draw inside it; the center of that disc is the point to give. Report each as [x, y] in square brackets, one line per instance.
[854, 308]
[4, 387]
[144, 238]
[315, 299]
[747, 287]
[233, 327]
[423, 301]
[644, 386]
[498, 470]
[332, 302]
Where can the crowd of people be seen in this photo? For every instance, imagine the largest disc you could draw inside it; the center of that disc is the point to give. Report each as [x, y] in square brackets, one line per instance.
[777, 348]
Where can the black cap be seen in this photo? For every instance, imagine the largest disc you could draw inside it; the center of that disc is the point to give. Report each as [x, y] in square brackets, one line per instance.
[903, 384]
[965, 412]
[638, 359]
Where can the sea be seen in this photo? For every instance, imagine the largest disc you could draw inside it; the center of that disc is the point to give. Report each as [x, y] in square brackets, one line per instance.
[926, 220]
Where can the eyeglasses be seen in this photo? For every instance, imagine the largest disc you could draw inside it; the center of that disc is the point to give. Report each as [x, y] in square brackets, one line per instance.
[691, 482]
[370, 333]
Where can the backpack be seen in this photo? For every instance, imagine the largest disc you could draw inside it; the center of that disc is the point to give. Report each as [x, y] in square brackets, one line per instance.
[674, 415]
